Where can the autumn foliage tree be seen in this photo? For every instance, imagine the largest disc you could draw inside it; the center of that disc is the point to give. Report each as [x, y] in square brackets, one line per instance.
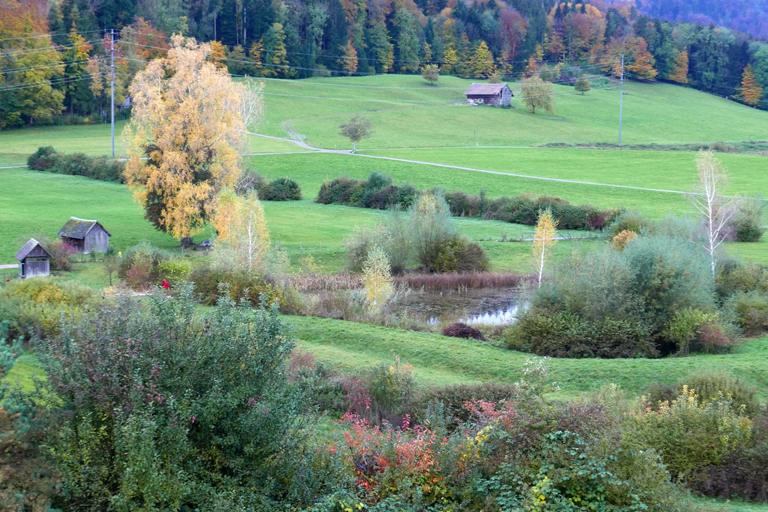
[356, 129]
[538, 94]
[183, 139]
[544, 239]
[751, 90]
[430, 73]
[242, 236]
[680, 74]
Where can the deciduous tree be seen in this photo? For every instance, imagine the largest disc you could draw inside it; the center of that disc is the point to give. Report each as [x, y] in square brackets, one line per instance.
[680, 74]
[348, 58]
[543, 240]
[708, 200]
[356, 129]
[183, 138]
[377, 280]
[751, 90]
[482, 62]
[582, 85]
[430, 73]
[538, 94]
[242, 236]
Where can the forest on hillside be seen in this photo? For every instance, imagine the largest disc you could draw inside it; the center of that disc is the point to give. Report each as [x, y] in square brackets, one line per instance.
[55, 57]
[749, 16]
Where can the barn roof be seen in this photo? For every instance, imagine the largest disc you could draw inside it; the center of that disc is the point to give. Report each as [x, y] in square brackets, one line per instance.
[28, 248]
[79, 228]
[485, 89]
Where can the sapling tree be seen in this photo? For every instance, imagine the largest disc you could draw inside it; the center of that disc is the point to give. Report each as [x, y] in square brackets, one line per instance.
[543, 240]
[377, 279]
[242, 241]
[538, 94]
[710, 203]
[430, 73]
[582, 85]
[356, 129]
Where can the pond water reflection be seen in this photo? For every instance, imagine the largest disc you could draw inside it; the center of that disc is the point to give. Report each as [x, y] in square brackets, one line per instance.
[489, 306]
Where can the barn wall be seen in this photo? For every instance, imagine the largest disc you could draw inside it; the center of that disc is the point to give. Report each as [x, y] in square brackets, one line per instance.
[506, 96]
[97, 240]
[36, 268]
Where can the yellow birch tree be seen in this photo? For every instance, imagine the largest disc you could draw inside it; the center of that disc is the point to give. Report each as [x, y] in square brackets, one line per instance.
[751, 90]
[242, 236]
[377, 279]
[186, 127]
[543, 240]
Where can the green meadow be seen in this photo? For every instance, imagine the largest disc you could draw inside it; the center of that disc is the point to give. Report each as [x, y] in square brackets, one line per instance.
[408, 112]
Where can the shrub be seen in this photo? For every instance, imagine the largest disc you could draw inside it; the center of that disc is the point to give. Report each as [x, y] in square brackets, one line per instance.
[563, 334]
[199, 412]
[390, 387]
[709, 386]
[61, 255]
[430, 226]
[36, 307]
[281, 189]
[361, 242]
[744, 472]
[621, 240]
[140, 265]
[208, 282]
[734, 277]
[458, 254]
[695, 329]
[630, 221]
[454, 397]
[460, 330]
[750, 310]
[78, 164]
[747, 224]
[689, 434]
[175, 271]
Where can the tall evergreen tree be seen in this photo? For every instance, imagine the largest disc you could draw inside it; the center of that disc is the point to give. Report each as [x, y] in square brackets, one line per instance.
[751, 90]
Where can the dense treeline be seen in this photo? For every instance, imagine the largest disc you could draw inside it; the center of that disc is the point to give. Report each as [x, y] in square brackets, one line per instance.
[744, 15]
[69, 71]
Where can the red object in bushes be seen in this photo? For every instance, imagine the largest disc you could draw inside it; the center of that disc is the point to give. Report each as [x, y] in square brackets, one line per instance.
[166, 284]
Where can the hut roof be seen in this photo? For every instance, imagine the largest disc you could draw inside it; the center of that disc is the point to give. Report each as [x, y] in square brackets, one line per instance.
[79, 228]
[28, 248]
[485, 89]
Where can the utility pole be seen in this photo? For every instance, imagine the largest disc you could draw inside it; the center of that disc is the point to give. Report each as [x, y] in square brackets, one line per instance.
[112, 110]
[621, 98]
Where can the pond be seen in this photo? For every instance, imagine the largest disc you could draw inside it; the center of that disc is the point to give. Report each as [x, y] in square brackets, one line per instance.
[488, 306]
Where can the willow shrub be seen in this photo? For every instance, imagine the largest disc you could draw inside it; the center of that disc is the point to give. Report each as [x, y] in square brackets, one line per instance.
[631, 294]
[163, 408]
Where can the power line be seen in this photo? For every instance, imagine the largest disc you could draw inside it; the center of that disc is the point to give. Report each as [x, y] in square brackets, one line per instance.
[46, 35]
[58, 81]
[54, 48]
[35, 68]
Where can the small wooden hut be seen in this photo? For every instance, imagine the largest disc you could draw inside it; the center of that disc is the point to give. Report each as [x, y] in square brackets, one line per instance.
[85, 236]
[34, 260]
[489, 94]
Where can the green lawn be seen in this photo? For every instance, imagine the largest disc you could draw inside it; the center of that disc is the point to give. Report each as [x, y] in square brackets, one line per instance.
[439, 360]
[407, 112]
[33, 203]
[95, 140]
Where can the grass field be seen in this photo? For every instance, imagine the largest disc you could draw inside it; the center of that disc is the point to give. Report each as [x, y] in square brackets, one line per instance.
[95, 140]
[302, 227]
[439, 360]
[407, 112]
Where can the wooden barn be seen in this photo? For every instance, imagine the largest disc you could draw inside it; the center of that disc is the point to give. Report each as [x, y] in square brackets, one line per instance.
[85, 236]
[489, 94]
[34, 260]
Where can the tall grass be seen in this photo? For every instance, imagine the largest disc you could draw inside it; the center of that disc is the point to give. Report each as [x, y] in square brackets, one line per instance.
[440, 282]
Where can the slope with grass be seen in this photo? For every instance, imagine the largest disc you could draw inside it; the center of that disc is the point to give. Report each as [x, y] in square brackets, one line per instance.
[408, 112]
[439, 360]
[40, 203]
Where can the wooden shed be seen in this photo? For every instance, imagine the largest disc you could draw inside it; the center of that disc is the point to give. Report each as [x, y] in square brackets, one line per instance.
[85, 236]
[34, 260]
[489, 94]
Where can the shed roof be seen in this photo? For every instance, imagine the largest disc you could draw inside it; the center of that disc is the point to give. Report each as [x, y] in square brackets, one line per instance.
[28, 248]
[485, 89]
[79, 228]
